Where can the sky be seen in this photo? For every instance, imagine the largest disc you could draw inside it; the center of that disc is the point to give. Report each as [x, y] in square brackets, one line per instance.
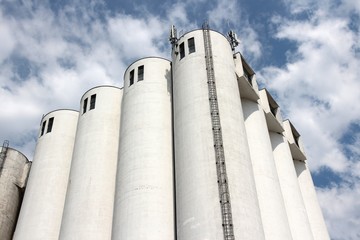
[305, 52]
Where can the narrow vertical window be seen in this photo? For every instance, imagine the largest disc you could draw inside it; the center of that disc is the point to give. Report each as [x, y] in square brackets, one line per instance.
[85, 105]
[131, 77]
[49, 128]
[191, 45]
[247, 75]
[273, 109]
[182, 51]
[92, 101]
[141, 73]
[43, 128]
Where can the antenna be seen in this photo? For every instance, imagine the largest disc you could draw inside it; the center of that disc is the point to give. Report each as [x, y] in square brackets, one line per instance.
[233, 40]
[173, 35]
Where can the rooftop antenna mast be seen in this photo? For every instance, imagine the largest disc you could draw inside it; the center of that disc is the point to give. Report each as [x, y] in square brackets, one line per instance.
[233, 40]
[173, 35]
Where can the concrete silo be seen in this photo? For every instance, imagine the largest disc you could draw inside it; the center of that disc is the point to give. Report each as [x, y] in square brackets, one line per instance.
[14, 170]
[89, 201]
[294, 204]
[42, 208]
[316, 219]
[215, 190]
[272, 207]
[144, 202]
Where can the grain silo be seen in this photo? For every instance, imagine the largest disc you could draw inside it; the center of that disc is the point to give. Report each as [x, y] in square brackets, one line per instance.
[215, 189]
[294, 204]
[144, 202]
[42, 208]
[14, 170]
[272, 207]
[88, 208]
[306, 184]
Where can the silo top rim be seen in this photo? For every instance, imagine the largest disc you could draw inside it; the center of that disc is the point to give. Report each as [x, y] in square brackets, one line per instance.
[27, 160]
[56, 110]
[143, 59]
[100, 86]
[200, 29]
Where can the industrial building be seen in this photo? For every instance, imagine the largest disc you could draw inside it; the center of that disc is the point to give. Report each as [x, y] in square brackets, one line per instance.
[188, 149]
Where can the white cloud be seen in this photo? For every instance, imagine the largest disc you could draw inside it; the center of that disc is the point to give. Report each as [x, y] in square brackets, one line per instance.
[319, 90]
[69, 51]
[319, 84]
[79, 46]
[342, 219]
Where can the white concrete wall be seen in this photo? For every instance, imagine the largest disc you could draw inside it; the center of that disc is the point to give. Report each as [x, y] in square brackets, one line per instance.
[272, 208]
[42, 208]
[197, 194]
[89, 201]
[294, 204]
[316, 219]
[312, 206]
[295, 208]
[144, 201]
[13, 178]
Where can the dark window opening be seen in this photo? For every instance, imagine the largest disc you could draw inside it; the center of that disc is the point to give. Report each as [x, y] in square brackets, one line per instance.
[191, 45]
[296, 138]
[141, 73]
[50, 125]
[92, 101]
[43, 128]
[182, 51]
[85, 105]
[131, 78]
[247, 75]
[273, 109]
[296, 135]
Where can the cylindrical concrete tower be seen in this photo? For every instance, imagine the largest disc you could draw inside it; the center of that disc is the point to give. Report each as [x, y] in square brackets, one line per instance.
[295, 208]
[273, 214]
[314, 212]
[144, 202]
[89, 202]
[42, 208]
[294, 204]
[14, 170]
[316, 219]
[215, 190]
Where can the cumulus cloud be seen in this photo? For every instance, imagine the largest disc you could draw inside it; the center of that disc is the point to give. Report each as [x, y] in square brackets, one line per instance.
[318, 89]
[48, 59]
[50, 55]
[319, 83]
[343, 199]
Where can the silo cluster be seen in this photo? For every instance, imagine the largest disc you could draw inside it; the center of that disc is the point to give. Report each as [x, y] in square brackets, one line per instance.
[187, 149]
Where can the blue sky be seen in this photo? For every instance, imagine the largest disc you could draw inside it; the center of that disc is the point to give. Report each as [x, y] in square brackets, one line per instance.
[306, 52]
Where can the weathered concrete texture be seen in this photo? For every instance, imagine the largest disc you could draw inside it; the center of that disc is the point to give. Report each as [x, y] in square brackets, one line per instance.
[144, 202]
[271, 202]
[88, 210]
[41, 213]
[198, 206]
[13, 178]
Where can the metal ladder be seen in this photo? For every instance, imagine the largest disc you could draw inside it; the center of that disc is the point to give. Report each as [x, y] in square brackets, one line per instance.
[227, 222]
[3, 153]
